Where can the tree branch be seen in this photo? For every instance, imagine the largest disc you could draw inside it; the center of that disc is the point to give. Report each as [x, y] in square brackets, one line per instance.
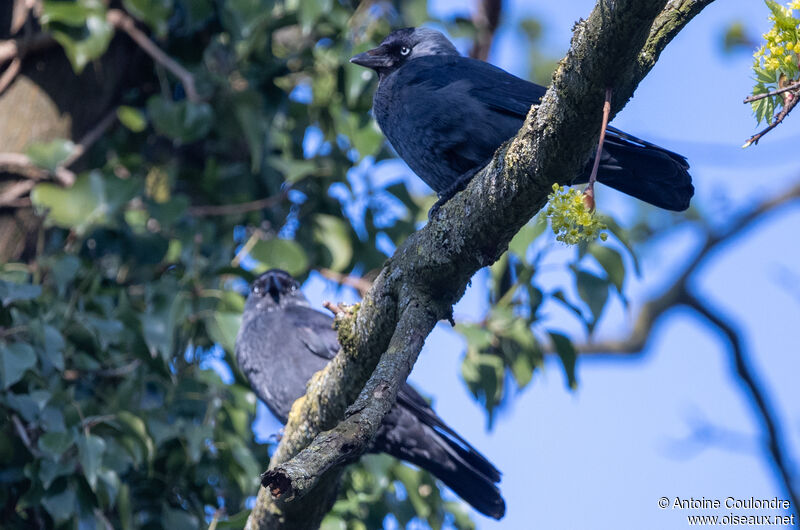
[121, 20]
[430, 271]
[748, 378]
[486, 20]
[680, 294]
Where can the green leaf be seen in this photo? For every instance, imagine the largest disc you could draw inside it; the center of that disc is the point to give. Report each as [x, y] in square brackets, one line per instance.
[248, 109]
[61, 506]
[311, 10]
[223, 327]
[53, 346]
[91, 201]
[334, 234]
[280, 253]
[612, 263]
[568, 355]
[527, 235]
[134, 426]
[90, 454]
[783, 21]
[80, 27]
[182, 121]
[293, 170]
[132, 118]
[54, 444]
[15, 359]
[16, 292]
[237, 521]
[49, 155]
[594, 291]
[154, 13]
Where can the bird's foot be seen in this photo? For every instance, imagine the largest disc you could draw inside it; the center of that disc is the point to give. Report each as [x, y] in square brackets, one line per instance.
[277, 436]
[450, 192]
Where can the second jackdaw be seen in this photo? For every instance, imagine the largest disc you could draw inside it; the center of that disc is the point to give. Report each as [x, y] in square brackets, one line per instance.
[283, 341]
[446, 115]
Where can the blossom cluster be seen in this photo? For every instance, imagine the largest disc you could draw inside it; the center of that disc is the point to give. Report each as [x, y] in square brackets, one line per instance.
[572, 220]
[776, 62]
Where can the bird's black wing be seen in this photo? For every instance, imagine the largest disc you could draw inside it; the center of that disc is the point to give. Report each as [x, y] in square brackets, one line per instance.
[446, 115]
[314, 330]
[411, 400]
[493, 87]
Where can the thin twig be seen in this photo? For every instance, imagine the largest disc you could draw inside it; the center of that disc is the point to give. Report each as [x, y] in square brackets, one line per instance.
[94, 134]
[10, 74]
[14, 191]
[12, 48]
[360, 284]
[336, 309]
[787, 108]
[119, 371]
[23, 435]
[756, 97]
[588, 193]
[121, 20]
[257, 236]
[209, 210]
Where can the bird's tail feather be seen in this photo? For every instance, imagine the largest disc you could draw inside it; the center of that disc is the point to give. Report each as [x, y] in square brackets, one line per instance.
[645, 171]
[462, 469]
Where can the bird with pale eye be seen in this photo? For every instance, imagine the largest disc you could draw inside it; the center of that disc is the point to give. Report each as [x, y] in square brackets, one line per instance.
[446, 115]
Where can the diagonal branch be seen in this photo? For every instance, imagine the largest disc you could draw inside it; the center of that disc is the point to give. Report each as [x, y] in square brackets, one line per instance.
[472, 230]
[121, 20]
[747, 376]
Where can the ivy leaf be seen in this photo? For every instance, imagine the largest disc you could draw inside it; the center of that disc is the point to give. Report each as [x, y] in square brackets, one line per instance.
[80, 27]
[334, 234]
[90, 454]
[60, 506]
[91, 201]
[15, 359]
[568, 355]
[223, 327]
[280, 253]
[54, 444]
[154, 13]
[132, 118]
[182, 121]
[15, 292]
[49, 155]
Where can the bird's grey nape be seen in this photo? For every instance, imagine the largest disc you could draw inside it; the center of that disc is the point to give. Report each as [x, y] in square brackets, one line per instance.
[428, 41]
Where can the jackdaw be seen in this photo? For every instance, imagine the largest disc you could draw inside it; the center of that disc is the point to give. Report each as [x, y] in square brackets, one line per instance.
[283, 341]
[446, 115]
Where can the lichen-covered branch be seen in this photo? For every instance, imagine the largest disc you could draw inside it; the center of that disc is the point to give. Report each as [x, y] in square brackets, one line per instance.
[432, 268]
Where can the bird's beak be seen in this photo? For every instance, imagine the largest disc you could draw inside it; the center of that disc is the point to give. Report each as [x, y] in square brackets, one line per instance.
[274, 288]
[376, 58]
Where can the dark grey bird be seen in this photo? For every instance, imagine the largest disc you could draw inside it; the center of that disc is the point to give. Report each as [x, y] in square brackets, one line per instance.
[283, 341]
[446, 115]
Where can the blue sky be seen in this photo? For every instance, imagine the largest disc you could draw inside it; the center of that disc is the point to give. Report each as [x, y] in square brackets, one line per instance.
[602, 456]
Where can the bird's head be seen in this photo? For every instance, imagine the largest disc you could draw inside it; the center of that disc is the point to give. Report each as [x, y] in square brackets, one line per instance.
[277, 286]
[403, 45]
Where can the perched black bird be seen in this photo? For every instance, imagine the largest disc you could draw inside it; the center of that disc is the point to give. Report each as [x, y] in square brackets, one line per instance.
[283, 342]
[446, 115]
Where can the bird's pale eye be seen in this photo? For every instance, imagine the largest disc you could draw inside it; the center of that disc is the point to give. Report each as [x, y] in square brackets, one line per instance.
[405, 50]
